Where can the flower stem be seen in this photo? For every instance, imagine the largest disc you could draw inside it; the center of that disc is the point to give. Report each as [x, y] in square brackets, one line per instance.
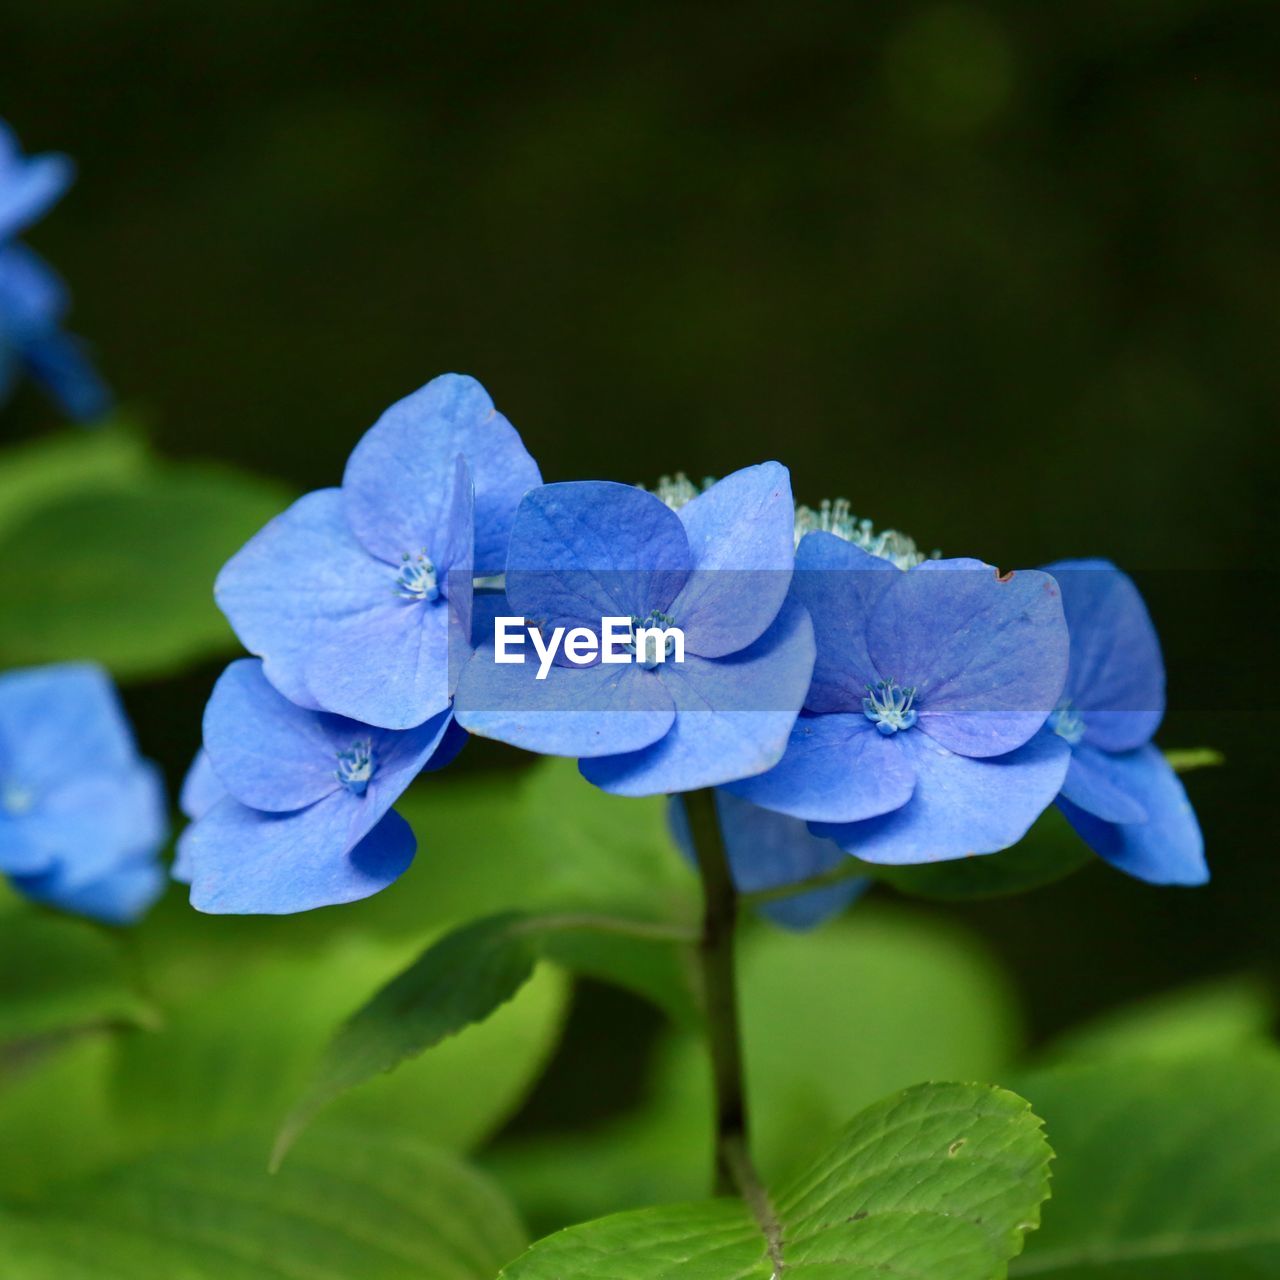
[720, 995]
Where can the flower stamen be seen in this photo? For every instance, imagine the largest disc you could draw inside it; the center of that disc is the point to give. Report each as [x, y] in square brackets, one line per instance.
[356, 766]
[890, 707]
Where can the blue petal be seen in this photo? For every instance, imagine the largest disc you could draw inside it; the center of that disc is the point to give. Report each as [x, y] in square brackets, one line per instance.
[201, 788]
[23, 850]
[733, 715]
[28, 187]
[58, 722]
[586, 550]
[246, 862]
[1166, 849]
[961, 806]
[386, 664]
[329, 624]
[121, 896]
[987, 655]
[33, 297]
[767, 851]
[1116, 677]
[90, 823]
[59, 363]
[1097, 784]
[837, 769]
[273, 589]
[574, 711]
[398, 474]
[742, 543]
[267, 752]
[839, 585]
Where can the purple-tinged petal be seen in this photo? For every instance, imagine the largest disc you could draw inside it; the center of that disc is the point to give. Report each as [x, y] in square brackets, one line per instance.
[266, 752]
[839, 584]
[201, 788]
[575, 711]
[837, 768]
[1097, 784]
[733, 715]
[742, 544]
[398, 475]
[1166, 849]
[986, 654]
[961, 806]
[586, 550]
[767, 851]
[1116, 676]
[246, 862]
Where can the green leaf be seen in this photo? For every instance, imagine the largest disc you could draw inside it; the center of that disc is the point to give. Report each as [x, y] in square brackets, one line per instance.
[366, 1205]
[831, 1021]
[1166, 1170]
[1050, 851]
[457, 981]
[226, 1061]
[549, 841]
[939, 1182]
[1190, 758]
[39, 471]
[1214, 1017]
[58, 974]
[125, 575]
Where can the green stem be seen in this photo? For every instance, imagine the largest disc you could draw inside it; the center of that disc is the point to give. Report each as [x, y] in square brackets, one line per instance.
[850, 870]
[720, 996]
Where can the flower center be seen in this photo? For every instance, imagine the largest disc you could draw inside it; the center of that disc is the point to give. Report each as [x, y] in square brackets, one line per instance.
[653, 648]
[356, 766]
[15, 800]
[417, 578]
[889, 706]
[837, 518]
[1067, 723]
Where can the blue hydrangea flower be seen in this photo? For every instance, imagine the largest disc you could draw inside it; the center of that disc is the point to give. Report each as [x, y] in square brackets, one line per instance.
[29, 185]
[33, 303]
[352, 595]
[294, 806]
[82, 815]
[919, 736]
[1120, 793]
[718, 568]
[769, 851]
[201, 790]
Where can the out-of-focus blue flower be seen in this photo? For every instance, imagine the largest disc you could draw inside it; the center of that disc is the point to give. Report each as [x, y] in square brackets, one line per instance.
[1120, 793]
[33, 303]
[718, 569]
[82, 815]
[354, 597]
[919, 738]
[29, 185]
[770, 851]
[293, 806]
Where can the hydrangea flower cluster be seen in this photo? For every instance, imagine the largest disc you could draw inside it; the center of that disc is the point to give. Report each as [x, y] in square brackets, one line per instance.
[33, 300]
[82, 816]
[842, 692]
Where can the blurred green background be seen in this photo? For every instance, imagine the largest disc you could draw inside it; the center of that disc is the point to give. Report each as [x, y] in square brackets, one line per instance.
[1003, 275]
